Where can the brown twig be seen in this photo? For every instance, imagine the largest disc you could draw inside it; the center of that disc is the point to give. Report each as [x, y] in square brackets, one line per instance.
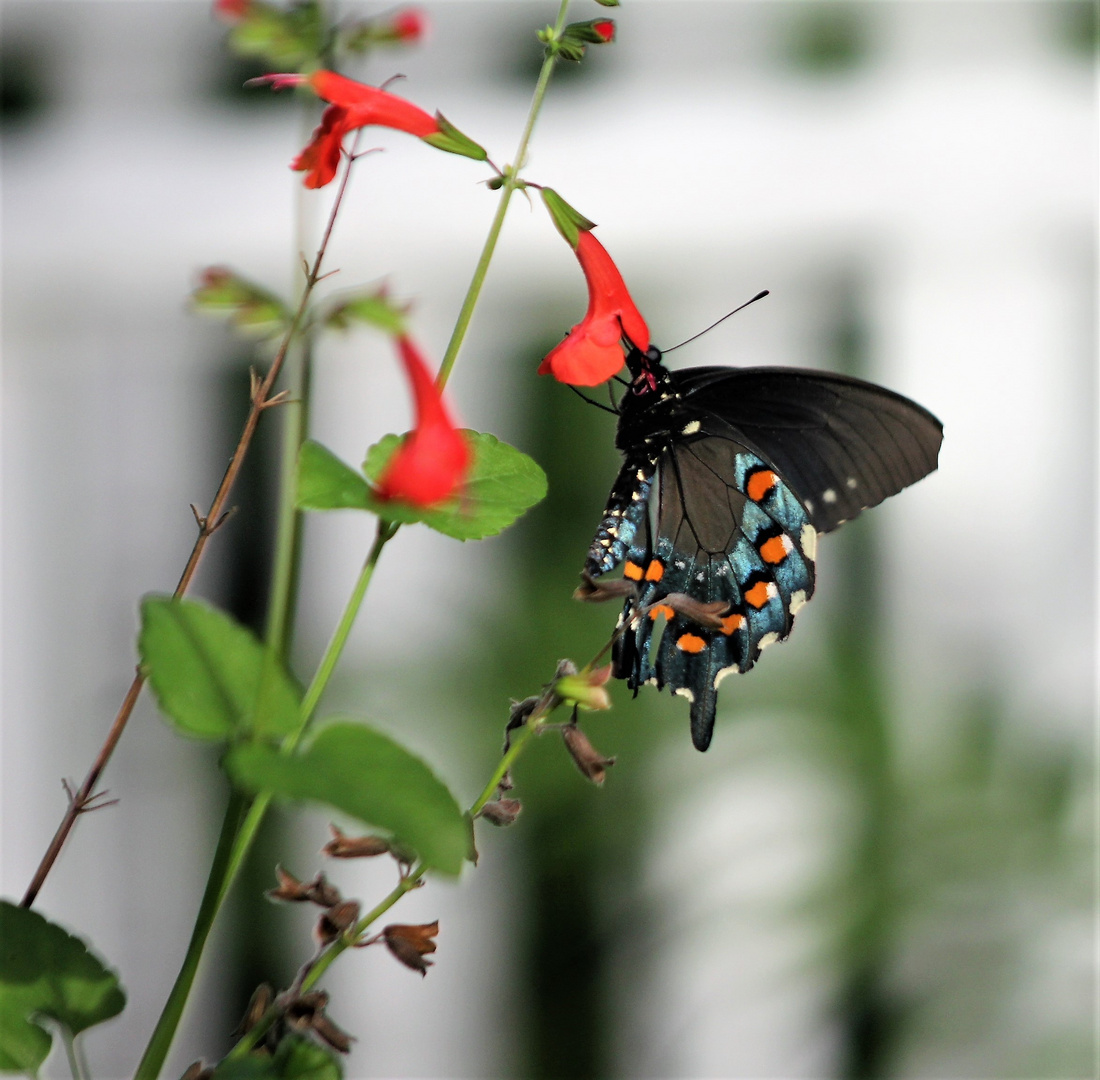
[208, 524]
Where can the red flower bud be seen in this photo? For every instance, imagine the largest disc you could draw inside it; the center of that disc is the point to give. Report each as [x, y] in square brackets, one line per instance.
[354, 105]
[410, 24]
[591, 352]
[232, 11]
[605, 28]
[432, 462]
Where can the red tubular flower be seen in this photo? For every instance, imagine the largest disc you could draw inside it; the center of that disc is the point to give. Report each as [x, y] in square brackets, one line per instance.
[605, 28]
[591, 352]
[432, 463]
[354, 105]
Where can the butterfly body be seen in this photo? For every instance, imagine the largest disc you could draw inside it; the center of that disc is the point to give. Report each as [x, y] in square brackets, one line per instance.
[743, 467]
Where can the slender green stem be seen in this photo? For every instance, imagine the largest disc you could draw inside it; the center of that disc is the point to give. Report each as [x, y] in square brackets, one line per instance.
[385, 533]
[511, 183]
[505, 763]
[217, 885]
[76, 1065]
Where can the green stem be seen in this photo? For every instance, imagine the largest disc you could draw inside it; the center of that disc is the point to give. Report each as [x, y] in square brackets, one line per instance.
[511, 183]
[217, 885]
[506, 762]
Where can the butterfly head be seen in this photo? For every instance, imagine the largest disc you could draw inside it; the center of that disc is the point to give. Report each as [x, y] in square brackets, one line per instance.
[647, 372]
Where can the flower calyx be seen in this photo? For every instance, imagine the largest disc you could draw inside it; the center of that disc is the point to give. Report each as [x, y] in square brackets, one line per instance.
[410, 944]
[591, 763]
[342, 846]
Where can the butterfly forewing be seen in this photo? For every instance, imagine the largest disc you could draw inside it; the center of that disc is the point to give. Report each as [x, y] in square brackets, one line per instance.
[842, 444]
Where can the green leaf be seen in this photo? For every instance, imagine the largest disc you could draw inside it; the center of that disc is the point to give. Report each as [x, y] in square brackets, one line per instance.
[206, 671]
[295, 1059]
[375, 309]
[503, 484]
[326, 483]
[47, 972]
[365, 774]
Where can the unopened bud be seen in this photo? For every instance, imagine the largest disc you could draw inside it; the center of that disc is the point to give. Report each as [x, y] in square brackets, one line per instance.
[501, 812]
[586, 757]
[586, 689]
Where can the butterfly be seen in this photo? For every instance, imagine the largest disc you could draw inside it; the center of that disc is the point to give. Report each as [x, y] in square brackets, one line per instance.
[744, 468]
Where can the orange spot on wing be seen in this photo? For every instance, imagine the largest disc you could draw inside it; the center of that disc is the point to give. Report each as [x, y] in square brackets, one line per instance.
[655, 570]
[691, 643]
[632, 570]
[661, 609]
[731, 623]
[759, 594]
[760, 483]
[775, 550]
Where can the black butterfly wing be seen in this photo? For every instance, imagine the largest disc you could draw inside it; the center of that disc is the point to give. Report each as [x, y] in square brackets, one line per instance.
[730, 532]
[842, 444]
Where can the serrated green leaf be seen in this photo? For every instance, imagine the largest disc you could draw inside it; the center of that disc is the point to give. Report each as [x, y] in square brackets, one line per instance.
[326, 483]
[206, 671]
[503, 484]
[47, 972]
[365, 774]
[295, 1059]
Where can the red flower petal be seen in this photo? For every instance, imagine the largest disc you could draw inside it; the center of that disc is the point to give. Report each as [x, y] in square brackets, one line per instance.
[605, 28]
[369, 105]
[321, 158]
[591, 353]
[432, 463]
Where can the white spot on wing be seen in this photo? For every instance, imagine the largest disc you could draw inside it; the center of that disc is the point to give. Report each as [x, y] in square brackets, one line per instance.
[809, 504]
[684, 692]
[651, 681]
[852, 482]
[828, 496]
[809, 542]
[798, 602]
[641, 474]
[766, 640]
[691, 428]
[733, 669]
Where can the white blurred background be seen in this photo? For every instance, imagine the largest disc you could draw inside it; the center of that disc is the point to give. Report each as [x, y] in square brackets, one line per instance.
[916, 182]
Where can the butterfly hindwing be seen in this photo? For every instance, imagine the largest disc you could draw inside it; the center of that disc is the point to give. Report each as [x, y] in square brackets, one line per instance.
[730, 535]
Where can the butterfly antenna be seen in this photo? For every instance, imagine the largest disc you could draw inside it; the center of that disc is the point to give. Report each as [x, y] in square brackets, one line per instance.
[585, 397]
[758, 296]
